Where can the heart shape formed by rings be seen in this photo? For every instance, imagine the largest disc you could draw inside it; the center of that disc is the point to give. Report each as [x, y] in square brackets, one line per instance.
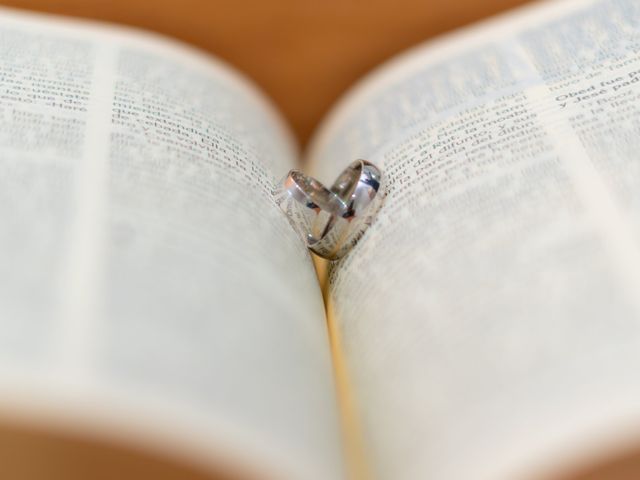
[331, 220]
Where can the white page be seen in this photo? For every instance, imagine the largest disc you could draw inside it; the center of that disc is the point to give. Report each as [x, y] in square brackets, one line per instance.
[150, 288]
[491, 316]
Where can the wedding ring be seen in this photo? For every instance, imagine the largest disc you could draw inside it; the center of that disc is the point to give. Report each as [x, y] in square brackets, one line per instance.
[309, 205]
[331, 221]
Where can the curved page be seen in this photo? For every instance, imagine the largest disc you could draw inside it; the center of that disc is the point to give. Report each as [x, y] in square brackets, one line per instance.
[490, 316]
[151, 290]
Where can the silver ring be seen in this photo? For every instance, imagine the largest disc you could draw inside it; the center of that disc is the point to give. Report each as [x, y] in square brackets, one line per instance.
[331, 221]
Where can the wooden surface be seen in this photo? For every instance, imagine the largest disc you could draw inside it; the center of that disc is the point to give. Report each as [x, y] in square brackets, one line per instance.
[30, 453]
[303, 53]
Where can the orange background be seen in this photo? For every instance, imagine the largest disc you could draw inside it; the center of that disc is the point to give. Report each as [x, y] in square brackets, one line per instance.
[303, 53]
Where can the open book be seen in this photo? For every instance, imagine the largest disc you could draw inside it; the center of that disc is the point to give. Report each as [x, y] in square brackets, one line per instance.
[487, 325]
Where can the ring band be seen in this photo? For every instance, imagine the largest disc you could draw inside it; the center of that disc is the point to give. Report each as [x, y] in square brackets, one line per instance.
[331, 221]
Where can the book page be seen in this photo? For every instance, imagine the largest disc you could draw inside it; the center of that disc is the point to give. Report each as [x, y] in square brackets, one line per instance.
[490, 317]
[150, 288]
